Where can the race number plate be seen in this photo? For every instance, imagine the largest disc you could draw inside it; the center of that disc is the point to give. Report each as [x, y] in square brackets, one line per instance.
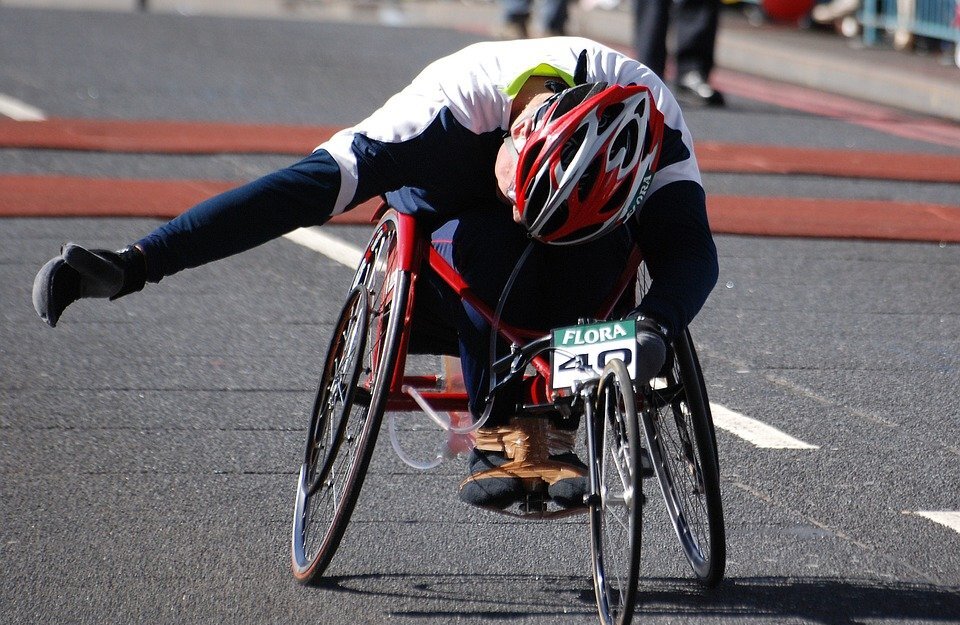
[582, 351]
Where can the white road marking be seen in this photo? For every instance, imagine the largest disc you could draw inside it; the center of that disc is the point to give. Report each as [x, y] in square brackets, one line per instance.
[756, 432]
[19, 111]
[331, 247]
[751, 430]
[947, 518]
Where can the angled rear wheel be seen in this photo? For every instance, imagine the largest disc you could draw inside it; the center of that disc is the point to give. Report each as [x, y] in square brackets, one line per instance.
[680, 433]
[349, 405]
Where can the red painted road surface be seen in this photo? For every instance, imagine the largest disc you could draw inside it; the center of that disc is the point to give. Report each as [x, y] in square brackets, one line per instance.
[184, 137]
[23, 196]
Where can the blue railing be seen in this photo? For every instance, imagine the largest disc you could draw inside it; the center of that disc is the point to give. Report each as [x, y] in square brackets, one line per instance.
[937, 19]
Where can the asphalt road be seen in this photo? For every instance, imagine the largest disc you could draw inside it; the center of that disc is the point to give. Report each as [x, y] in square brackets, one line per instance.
[150, 446]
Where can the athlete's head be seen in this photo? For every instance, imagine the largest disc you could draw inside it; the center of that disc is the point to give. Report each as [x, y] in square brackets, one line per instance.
[577, 164]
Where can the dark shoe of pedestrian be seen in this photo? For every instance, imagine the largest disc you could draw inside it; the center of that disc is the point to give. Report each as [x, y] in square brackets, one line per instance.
[487, 486]
[693, 90]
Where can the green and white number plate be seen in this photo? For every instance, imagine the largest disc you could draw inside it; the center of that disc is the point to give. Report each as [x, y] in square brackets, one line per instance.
[582, 351]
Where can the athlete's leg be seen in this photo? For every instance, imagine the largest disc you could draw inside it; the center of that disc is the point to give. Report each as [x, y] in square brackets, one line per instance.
[484, 245]
[554, 286]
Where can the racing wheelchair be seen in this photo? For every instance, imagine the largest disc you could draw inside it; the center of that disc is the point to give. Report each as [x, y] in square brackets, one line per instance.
[632, 429]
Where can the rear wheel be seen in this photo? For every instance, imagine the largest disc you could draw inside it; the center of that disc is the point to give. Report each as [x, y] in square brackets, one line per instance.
[349, 405]
[679, 430]
[615, 515]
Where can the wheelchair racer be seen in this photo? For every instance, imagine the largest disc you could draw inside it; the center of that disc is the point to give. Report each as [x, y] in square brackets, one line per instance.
[560, 140]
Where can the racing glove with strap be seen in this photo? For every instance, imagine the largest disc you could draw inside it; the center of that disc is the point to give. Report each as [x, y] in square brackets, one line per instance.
[78, 272]
[651, 347]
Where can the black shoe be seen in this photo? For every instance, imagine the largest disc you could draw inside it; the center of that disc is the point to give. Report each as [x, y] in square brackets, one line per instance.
[570, 492]
[489, 491]
[693, 90]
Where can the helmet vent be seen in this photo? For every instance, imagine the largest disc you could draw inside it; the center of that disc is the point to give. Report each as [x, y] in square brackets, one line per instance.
[607, 116]
[530, 153]
[617, 200]
[557, 220]
[641, 107]
[626, 141]
[585, 183]
[536, 200]
[573, 97]
[571, 147]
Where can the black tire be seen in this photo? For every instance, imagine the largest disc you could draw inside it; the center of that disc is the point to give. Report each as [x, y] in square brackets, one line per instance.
[349, 405]
[615, 512]
[682, 444]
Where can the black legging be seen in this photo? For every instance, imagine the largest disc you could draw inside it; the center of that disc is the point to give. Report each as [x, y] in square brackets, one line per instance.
[695, 23]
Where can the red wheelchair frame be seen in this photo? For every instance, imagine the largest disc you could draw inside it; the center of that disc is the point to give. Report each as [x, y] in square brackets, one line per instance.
[417, 253]
[364, 376]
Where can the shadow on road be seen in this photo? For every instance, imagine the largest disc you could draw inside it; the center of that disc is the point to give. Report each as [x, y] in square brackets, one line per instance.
[817, 600]
[810, 599]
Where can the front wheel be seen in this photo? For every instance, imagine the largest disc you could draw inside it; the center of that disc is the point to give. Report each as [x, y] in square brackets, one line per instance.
[679, 430]
[615, 511]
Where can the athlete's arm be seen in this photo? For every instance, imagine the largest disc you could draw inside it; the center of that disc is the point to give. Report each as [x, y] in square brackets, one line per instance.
[674, 237]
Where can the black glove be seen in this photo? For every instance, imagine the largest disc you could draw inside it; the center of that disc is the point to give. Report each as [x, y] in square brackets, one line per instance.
[651, 348]
[78, 272]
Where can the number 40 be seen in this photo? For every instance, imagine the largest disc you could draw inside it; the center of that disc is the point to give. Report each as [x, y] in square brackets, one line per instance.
[581, 361]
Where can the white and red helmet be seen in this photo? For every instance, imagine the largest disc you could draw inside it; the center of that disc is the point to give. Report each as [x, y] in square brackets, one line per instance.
[587, 161]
